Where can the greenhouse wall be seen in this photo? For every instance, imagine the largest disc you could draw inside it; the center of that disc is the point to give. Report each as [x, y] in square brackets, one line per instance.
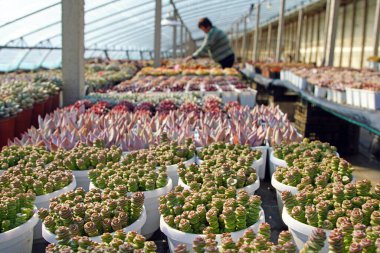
[353, 41]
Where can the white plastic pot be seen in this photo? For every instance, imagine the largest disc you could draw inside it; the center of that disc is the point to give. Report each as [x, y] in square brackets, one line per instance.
[373, 98]
[250, 189]
[151, 204]
[320, 92]
[301, 231]
[172, 170]
[135, 226]
[280, 187]
[81, 176]
[363, 99]
[43, 201]
[19, 239]
[176, 237]
[356, 97]
[1, 172]
[260, 165]
[229, 96]
[349, 98]
[248, 98]
[275, 162]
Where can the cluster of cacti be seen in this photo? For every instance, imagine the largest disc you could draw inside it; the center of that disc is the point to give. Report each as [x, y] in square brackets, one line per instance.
[12, 155]
[16, 208]
[170, 152]
[134, 173]
[119, 242]
[39, 180]
[324, 206]
[354, 238]
[305, 172]
[227, 174]
[220, 152]
[210, 209]
[250, 242]
[85, 157]
[77, 213]
[315, 151]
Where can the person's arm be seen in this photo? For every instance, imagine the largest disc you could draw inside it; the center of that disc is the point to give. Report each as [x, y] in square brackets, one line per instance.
[207, 42]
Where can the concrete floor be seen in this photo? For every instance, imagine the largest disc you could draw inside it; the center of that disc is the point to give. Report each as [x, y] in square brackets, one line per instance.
[365, 168]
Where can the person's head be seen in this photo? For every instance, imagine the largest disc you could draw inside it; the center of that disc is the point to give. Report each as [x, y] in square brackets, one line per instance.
[205, 24]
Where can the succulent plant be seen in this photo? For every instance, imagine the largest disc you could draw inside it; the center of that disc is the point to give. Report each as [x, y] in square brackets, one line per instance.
[307, 171]
[8, 107]
[324, 206]
[134, 173]
[250, 242]
[16, 208]
[314, 150]
[120, 242]
[90, 214]
[37, 179]
[210, 210]
[223, 165]
[85, 157]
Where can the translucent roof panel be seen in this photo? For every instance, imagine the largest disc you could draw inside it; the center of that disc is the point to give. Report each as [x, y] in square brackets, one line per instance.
[111, 24]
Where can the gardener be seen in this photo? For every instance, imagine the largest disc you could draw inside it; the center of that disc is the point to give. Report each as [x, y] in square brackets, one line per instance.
[216, 43]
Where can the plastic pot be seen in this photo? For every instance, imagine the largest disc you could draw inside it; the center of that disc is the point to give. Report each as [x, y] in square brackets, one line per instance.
[151, 204]
[275, 162]
[280, 187]
[19, 239]
[55, 101]
[135, 226]
[43, 201]
[172, 170]
[176, 237]
[48, 106]
[301, 231]
[260, 165]
[7, 130]
[81, 177]
[250, 189]
[38, 110]
[23, 121]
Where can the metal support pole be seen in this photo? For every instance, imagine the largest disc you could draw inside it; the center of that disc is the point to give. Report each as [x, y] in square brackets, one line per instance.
[174, 42]
[331, 36]
[73, 50]
[237, 39]
[127, 54]
[157, 34]
[327, 18]
[280, 31]
[269, 38]
[257, 27]
[376, 29]
[299, 35]
[181, 41]
[141, 55]
[244, 44]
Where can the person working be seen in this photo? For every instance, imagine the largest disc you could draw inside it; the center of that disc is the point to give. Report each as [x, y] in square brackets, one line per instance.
[216, 43]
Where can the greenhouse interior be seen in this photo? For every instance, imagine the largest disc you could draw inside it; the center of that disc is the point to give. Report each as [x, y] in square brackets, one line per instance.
[185, 126]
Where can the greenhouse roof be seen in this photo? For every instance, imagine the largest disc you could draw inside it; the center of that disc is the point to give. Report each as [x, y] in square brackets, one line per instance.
[31, 30]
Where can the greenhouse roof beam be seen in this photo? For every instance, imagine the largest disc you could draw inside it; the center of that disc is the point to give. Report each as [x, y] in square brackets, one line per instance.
[30, 14]
[59, 21]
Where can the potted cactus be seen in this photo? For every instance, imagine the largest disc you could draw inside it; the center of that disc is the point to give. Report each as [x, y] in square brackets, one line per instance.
[187, 214]
[284, 154]
[249, 242]
[135, 173]
[82, 159]
[325, 206]
[169, 154]
[307, 172]
[119, 242]
[17, 220]
[77, 213]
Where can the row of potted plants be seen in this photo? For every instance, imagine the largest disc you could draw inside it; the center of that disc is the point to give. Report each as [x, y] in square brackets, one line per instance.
[22, 101]
[131, 131]
[184, 70]
[359, 88]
